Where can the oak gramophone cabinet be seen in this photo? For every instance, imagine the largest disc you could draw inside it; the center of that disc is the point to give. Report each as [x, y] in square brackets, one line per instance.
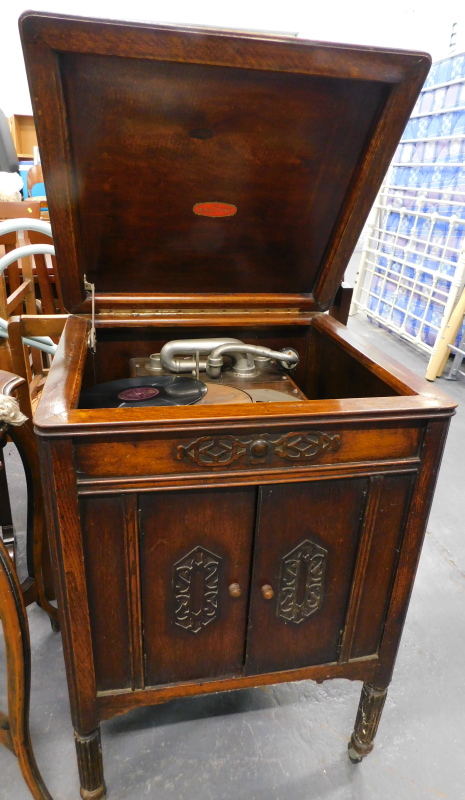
[211, 186]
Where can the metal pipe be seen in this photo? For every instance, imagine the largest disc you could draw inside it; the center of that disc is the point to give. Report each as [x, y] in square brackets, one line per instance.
[190, 347]
[245, 366]
[23, 224]
[22, 252]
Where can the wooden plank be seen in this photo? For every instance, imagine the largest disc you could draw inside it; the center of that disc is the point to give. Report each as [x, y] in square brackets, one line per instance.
[43, 325]
[111, 704]
[18, 296]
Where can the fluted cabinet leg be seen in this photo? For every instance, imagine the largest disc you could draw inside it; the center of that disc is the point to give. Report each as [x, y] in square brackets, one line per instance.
[90, 765]
[366, 724]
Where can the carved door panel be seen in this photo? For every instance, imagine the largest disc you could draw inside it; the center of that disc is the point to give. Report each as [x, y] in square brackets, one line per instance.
[305, 549]
[195, 571]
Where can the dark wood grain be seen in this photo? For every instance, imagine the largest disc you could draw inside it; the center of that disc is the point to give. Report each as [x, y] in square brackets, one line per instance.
[111, 704]
[254, 122]
[103, 524]
[327, 514]
[133, 589]
[67, 551]
[414, 532]
[220, 521]
[145, 455]
[381, 564]
[370, 519]
[340, 307]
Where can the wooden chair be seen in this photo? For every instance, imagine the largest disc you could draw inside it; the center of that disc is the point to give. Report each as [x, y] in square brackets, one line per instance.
[38, 552]
[10, 240]
[32, 367]
[33, 588]
[21, 285]
[34, 176]
[21, 289]
[46, 276]
[14, 727]
[24, 295]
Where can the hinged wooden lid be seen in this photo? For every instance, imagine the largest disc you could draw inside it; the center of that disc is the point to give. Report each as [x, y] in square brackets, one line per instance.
[183, 163]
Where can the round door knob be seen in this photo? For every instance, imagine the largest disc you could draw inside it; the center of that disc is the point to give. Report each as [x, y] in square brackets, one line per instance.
[267, 591]
[259, 448]
[235, 590]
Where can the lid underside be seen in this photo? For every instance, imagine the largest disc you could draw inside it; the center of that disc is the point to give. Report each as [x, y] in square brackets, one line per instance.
[166, 174]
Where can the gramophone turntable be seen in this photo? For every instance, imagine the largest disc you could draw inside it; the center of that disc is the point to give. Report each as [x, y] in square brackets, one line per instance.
[218, 371]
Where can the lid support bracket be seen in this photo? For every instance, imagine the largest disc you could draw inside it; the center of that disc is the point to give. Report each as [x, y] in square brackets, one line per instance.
[92, 337]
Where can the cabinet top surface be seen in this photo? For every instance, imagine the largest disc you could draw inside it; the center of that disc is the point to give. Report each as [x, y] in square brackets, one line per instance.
[184, 162]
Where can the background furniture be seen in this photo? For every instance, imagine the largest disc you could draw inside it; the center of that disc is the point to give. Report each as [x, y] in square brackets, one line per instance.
[35, 181]
[33, 587]
[8, 156]
[18, 285]
[14, 727]
[412, 265]
[9, 303]
[24, 134]
[31, 365]
[446, 340]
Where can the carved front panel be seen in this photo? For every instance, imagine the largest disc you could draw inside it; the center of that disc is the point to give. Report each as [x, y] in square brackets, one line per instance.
[220, 451]
[195, 585]
[301, 582]
[159, 456]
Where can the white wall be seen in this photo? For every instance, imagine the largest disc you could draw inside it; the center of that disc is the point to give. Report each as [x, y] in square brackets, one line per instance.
[409, 24]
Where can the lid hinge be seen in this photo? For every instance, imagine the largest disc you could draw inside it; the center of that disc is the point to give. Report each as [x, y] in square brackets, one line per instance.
[92, 337]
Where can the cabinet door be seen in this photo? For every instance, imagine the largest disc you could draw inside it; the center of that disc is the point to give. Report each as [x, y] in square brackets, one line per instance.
[195, 545]
[306, 544]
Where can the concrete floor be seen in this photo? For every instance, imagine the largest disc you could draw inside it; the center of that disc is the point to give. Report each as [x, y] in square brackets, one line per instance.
[289, 742]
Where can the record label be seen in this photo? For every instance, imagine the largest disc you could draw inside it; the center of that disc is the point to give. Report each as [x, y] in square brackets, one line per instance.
[138, 393]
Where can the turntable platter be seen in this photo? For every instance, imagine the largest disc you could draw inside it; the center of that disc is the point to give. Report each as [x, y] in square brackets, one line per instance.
[221, 393]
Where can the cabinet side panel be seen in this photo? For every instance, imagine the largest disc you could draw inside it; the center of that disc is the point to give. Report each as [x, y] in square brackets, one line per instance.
[64, 527]
[104, 552]
[194, 546]
[307, 538]
[422, 496]
[381, 563]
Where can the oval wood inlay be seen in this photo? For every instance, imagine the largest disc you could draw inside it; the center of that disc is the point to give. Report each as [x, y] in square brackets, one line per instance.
[214, 209]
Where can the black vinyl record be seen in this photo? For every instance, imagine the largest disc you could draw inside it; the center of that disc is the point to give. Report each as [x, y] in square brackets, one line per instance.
[162, 390]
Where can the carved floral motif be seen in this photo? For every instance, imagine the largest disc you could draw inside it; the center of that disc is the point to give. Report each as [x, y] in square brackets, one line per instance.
[301, 582]
[220, 451]
[186, 615]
